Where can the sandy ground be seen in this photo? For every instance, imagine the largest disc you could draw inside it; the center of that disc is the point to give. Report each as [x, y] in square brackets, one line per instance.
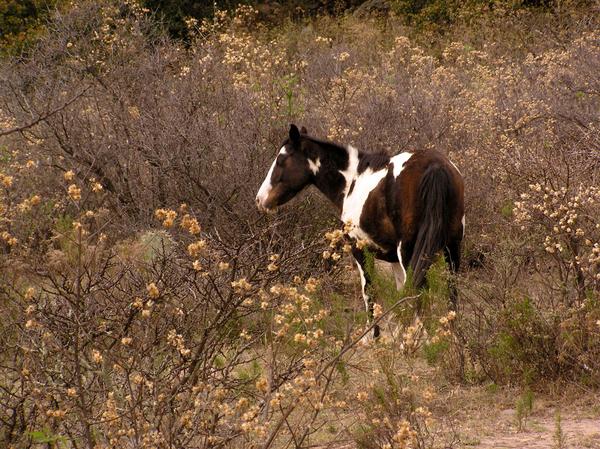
[580, 429]
[481, 422]
[578, 433]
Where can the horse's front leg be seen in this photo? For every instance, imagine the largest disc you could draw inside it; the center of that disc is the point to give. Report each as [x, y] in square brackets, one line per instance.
[365, 282]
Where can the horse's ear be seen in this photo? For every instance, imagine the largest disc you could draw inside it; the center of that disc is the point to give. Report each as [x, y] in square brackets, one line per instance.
[303, 130]
[294, 134]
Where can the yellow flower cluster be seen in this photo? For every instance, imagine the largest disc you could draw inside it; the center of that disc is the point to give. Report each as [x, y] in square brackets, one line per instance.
[569, 220]
[273, 266]
[323, 40]
[444, 330]
[6, 181]
[69, 175]
[295, 311]
[56, 413]
[176, 340]
[74, 192]
[411, 338]
[28, 203]
[241, 285]
[311, 285]
[336, 239]
[95, 186]
[167, 216]
[153, 291]
[190, 224]
[9, 239]
[97, 356]
[29, 294]
[195, 249]
[405, 437]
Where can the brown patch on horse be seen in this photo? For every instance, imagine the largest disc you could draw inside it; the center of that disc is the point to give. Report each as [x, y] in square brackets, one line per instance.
[376, 220]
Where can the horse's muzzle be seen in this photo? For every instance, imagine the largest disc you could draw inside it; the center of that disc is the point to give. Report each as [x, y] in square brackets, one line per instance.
[263, 208]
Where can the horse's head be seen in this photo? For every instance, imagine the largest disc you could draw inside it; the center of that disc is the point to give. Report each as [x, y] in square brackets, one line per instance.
[291, 171]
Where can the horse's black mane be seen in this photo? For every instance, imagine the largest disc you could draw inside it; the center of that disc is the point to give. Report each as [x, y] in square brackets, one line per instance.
[326, 143]
[338, 154]
[374, 161]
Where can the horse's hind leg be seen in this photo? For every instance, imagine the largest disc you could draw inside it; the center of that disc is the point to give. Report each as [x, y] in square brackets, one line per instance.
[399, 269]
[365, 282]
[405, 253]
[452, 256]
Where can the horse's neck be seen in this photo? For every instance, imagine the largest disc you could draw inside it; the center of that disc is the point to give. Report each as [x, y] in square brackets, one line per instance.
[337, 174]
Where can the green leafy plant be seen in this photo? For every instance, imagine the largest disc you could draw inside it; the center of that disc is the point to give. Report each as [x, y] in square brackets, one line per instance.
[523, 409]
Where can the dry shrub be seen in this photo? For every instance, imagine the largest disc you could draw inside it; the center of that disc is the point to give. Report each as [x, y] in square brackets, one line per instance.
[404, 406]
[153, 123]
[165, 339]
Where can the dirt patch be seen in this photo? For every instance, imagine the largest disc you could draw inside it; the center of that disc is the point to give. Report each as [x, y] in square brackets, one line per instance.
[541, 433]
[490, 424]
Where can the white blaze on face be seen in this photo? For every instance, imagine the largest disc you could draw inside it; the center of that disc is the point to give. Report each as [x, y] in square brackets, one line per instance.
[266, 186]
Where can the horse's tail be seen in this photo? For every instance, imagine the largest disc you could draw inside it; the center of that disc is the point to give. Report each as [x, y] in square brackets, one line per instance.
[433, 228]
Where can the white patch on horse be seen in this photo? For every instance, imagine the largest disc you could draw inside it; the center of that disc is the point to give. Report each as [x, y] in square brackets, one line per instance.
[363, 285]
[463, 224]
[399, 160]
[265, 188]
[350, 173]
[399, 271]
[355, 201]
[314, 165]
[364, 183]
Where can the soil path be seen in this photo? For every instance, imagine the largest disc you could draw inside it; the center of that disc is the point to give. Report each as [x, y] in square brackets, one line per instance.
[541, 432]
[486, 418]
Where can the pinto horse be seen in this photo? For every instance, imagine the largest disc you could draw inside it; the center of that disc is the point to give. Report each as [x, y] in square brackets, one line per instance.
[406, 208]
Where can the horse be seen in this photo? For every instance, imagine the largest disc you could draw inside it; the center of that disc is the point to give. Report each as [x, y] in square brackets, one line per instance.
[404, 208]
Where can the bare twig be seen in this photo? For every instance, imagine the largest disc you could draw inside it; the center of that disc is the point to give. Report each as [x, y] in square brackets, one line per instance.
[43, 117]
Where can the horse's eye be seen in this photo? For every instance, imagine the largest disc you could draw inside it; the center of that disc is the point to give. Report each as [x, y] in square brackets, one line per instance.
[280, 160]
